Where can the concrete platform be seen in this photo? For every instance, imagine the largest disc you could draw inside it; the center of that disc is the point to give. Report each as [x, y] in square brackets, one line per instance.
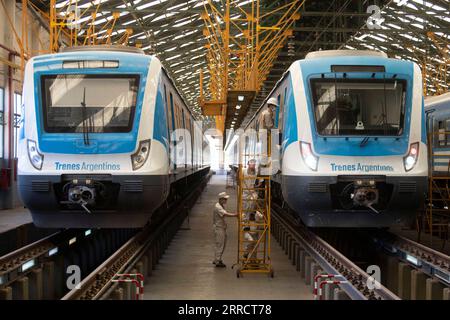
[13, 218]
[186, 270]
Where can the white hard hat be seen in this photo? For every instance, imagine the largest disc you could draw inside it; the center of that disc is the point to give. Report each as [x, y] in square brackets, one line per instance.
[223, 195]
[273, 101]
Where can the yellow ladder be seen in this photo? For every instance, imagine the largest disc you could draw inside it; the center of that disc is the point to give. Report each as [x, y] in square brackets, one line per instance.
[254, 204]
[437, 213]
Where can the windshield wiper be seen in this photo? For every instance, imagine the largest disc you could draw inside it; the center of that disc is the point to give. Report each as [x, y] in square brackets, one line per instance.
[364, 141]
[85, 126]
[382, 122]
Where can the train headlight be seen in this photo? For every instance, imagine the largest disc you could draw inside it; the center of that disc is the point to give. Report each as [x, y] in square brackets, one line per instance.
[36, 159]
[409, 161]
[308, 156]
[140, 156]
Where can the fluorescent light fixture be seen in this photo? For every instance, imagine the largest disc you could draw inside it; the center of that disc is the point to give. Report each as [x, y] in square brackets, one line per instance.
[72, 241]
[241, 98]
[27, 265]
[413, 260]
[53, 251]
[87, 232]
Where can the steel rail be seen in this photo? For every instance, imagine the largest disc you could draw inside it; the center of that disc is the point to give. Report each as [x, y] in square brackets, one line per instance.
[98, 284]
[330, 260]
[430, 261]
[17, 263]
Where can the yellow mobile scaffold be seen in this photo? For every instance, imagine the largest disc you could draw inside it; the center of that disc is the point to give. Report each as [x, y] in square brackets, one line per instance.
[254, 212]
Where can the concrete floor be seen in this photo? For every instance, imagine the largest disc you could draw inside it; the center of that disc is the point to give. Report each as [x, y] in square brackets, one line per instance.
[186, 270]
[12, 218]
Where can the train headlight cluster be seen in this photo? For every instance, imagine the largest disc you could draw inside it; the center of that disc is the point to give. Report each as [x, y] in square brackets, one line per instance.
[141, 155]
[409, 161]
[308, 156]
[36, 159]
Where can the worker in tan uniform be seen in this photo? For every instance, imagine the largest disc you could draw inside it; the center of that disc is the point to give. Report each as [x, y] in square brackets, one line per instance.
[267, 117]
[220, 228]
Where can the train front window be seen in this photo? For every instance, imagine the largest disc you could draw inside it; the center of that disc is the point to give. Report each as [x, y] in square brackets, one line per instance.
[366, 107]
[89, 103]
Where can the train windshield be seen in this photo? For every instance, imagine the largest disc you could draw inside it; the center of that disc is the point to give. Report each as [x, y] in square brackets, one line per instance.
[89, 103]
[365, 107]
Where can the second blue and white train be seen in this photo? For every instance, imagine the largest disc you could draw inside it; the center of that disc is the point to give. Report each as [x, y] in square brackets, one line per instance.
[353, 144]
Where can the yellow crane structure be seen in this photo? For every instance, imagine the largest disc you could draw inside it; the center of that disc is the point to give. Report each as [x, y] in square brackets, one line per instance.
[74, 25]
[242, 45]
[436, 70]
[241, 49]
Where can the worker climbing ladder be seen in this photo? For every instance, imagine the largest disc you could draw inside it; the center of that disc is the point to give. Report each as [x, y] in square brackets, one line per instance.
[253, 189]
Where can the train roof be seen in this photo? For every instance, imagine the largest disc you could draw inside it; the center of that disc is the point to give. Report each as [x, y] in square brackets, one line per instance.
[345, 53]
[438, 106]
[113, 48]
[438, 103]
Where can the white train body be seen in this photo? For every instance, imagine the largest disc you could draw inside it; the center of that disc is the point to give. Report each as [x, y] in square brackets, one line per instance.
[96, 138]
[353, 140]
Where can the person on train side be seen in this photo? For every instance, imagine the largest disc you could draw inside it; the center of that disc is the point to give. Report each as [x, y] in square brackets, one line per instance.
[220, 228]
[267, 118]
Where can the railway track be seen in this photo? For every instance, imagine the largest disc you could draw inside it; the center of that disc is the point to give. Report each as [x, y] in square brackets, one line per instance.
[312, 255]
[140, 254]
[335, 254]
[302, 245]
[430, 262]
[39, 270]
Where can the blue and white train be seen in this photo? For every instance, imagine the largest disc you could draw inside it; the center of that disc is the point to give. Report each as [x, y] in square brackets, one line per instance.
[94, 147]
[437, 109]
[352, 139]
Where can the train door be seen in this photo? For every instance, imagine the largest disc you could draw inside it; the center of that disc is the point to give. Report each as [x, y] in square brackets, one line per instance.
[185, 144]
[174, 142]
[277, 112]
[168, 117]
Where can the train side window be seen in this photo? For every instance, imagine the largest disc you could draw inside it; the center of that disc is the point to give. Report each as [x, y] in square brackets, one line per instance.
[447, 131]
[442, 137]
[277, 111]
[281, 117]
[180, 115]
[281, 110]
[172, 111]
[168, 112]
[177, 116]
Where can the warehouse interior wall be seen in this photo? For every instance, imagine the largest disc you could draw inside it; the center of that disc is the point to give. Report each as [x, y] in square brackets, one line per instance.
[11, 89]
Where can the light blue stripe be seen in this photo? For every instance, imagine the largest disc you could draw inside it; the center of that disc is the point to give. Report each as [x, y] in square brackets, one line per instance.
[102, 143]
[384, 146]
